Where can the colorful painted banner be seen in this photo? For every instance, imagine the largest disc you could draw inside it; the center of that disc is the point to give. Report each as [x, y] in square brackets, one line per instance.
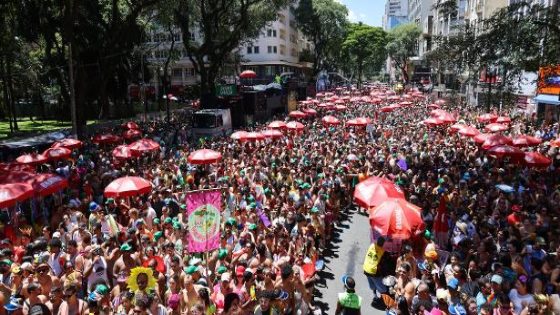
[262, 215]
[203, 212]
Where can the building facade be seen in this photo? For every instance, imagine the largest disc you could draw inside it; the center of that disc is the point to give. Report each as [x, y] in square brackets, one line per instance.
[396, 13]
[278, 50]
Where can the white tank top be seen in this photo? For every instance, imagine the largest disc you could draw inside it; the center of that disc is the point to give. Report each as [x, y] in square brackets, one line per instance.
[101, 267]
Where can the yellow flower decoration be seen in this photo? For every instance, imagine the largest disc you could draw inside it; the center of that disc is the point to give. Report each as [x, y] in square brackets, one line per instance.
[135, 272]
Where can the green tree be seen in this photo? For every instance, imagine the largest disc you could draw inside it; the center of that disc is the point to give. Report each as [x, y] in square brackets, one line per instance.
[401, 46]
[102, 34]
[222, 26]
[324, 23]
[366, 47]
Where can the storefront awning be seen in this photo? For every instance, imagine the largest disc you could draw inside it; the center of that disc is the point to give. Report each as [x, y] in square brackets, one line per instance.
[547, 99]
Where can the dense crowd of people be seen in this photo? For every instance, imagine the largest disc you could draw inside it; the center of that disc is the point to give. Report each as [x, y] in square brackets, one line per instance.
[78, 252]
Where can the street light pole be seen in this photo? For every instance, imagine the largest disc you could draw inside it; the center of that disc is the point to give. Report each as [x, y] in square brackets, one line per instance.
[164, 87]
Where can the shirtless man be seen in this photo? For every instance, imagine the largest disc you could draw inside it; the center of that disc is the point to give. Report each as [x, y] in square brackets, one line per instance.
[126, 262]
[292, 285]
[45, 279]
[35, 296]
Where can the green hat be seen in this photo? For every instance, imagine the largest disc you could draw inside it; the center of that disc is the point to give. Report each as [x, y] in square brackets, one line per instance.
[157, 235]
[221, 270]
[305, 186]
[156, 221]
[231, 221]
[109, 201]
[314, 210]
[427, 234]
[168, 220]
[251, 198]
[126, 247]
[6, 262]
[252, 205]
[441, 180]
[222, 253]
[102, 289]
[252, 226]
[183, 206]
[191, 269]
[176, 225]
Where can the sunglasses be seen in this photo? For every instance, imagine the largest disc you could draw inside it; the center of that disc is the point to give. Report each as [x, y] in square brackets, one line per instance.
[45, 270]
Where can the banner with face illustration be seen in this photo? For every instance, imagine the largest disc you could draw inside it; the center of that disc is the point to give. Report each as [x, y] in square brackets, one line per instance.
[203, 212]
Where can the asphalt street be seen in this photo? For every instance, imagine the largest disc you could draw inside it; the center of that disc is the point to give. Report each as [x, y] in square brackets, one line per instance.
[345, 257]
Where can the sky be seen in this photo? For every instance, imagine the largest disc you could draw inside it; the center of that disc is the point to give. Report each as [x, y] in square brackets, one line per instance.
[367, 11]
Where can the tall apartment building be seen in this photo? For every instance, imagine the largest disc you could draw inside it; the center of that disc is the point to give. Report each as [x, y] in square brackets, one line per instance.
[420, 12]
[396, 13]
[446, 24]
[479, 10]
[277, 50]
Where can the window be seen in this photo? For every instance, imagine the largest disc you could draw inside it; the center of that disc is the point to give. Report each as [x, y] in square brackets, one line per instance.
[273, 33]
[269, 33]
[177, 36]
[192, 36]
[269, 49]
[178, 73]
[256, 49]
[189, 72]
[275, 49]
[269, 70]
[249, 50]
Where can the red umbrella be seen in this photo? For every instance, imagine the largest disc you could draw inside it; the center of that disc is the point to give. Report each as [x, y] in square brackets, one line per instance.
[387, 109]
[447, 118]
[432, 122]
[131, 125]
[495, 140]
[239, 135]
[360, 122]
[339, 102]
[144, 145]
[248, 74]
[204, 156]
[68, 143]
[124, 152]
[127, 186]
[330, 120]
[503, 120]
[456, 127]
[555, 143]
[526, 141]
[535, 159]
[487, 118]
[297, 114]
[396, 218]
[31, 159]
[132, 134]
[494, 127]
[440, 102]
[55, 154]
[501, 151]
[295, 126]
[481, 137]
[272, 133]
[437, 112]
[394, 98]
[255, 136]
[45, 184]
[16, 167]
[106, 138]
[433, 106]
[10, 194]
[340, 108]
[277, 124]
[374, 190]
[469, 131]
[406, 103]
[310, 111]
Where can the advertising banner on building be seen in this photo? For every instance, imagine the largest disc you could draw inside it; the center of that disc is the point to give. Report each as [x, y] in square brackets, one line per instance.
[549, 80]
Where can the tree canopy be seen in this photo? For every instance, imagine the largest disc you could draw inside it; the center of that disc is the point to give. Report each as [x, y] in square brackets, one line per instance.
[223, 26]
[401, 45]
[365, 45]
[324, 23]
